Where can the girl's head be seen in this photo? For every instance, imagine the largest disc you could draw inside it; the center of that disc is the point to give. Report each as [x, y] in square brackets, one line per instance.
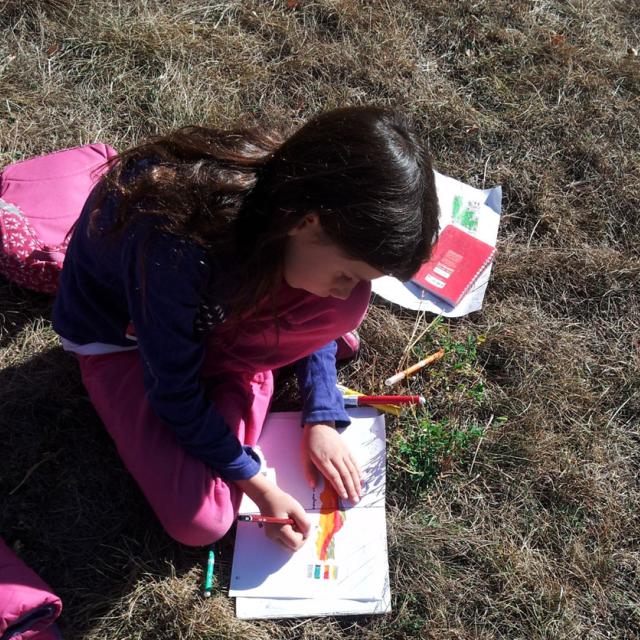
[348, 196]
[313, 262]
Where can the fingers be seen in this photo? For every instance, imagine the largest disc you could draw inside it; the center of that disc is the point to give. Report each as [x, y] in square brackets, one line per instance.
[303, 524]
[344, 475]
[349, 481]
[329, 471]
[285, 535]
[339, 476]
[356, 476]
[292, 537]
[323, 448]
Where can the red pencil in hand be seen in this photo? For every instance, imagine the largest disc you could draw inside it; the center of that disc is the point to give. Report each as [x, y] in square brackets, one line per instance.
[265, 519]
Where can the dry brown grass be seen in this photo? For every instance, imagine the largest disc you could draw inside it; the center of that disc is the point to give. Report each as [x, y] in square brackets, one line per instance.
[532, 533]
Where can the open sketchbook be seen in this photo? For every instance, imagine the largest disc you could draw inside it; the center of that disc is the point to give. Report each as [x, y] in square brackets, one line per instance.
[343, 567]
[476, 211]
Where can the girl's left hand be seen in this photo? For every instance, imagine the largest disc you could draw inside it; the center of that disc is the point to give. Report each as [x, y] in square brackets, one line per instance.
[323, 449]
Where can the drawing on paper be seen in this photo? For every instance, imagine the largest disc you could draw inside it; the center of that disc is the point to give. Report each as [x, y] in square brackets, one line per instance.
[322, 572]
[467, 217]
[332, 519]
[345, 556]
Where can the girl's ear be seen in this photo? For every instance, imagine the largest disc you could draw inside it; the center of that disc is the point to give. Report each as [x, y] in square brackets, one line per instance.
[310, 222]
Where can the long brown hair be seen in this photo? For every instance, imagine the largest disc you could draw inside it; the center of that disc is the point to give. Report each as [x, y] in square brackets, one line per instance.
[363, 170]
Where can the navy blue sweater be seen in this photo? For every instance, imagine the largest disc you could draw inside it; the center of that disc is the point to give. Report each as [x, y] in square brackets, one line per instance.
[100, 293]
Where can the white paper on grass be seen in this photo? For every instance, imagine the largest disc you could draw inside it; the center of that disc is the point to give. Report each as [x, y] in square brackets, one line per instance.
[264, 571]
[488, 205]
[264, 568]
[252, 608]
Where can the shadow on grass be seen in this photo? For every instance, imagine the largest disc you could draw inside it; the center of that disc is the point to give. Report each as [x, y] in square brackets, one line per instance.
[19, 307]
[68, 506]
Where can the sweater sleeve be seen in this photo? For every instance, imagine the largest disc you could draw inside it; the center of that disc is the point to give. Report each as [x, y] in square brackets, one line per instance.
[163, 298]
[317, 378]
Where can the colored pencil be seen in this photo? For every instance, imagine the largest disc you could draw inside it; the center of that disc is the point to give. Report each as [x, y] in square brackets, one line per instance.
[265, 519]
[208, 582]
[416, 367]
[394, 410]
[356, 401]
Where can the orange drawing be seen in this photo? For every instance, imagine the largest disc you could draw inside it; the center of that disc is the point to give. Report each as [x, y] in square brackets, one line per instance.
[331, 521]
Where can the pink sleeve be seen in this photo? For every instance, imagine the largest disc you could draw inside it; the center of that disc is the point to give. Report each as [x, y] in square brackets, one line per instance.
[28, 608]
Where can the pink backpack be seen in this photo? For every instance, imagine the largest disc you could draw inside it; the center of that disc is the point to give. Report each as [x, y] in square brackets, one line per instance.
[40, 199]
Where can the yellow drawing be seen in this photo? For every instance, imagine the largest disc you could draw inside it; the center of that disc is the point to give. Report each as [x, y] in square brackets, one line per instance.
[331, 521]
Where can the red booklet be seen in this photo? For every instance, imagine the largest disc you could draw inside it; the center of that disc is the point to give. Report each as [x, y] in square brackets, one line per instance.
[457, 260]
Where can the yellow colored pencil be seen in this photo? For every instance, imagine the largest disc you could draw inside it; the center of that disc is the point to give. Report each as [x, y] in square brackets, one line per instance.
[392, 409]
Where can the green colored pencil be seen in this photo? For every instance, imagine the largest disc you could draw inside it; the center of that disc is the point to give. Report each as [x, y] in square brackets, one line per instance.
[208, 583]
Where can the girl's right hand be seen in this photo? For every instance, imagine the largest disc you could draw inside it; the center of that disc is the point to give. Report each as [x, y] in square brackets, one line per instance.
[272, 501]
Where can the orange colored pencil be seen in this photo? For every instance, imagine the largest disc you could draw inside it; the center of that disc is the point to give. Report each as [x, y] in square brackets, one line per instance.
[434, 357]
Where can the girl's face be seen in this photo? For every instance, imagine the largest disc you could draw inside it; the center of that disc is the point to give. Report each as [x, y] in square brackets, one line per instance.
[313, 263]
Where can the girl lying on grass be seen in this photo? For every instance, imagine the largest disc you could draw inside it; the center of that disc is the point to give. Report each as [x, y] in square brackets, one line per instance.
[205, 260]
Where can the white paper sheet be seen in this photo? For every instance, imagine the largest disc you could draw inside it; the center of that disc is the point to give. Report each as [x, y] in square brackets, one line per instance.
[261, 608]
[453, 197]
[344, 572]
[356, 568]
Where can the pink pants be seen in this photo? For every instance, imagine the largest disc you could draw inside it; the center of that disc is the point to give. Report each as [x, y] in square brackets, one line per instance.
[195, 506]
